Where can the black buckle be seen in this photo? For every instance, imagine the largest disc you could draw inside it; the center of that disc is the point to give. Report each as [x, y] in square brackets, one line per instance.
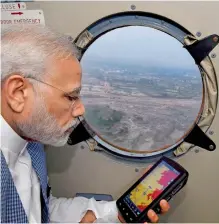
[201, 49]
[198, 138]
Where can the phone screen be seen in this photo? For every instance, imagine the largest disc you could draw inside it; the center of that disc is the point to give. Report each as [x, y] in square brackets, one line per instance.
[151, 187]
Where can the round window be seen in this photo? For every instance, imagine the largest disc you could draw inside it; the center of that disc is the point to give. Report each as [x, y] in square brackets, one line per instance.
[141, 89]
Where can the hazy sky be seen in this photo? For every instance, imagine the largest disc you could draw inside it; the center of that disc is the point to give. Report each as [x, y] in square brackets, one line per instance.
[142, 44]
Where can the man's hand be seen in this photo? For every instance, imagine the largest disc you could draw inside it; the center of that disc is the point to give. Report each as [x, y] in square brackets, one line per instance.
[164, 208]
[151, 214]
[88, 218]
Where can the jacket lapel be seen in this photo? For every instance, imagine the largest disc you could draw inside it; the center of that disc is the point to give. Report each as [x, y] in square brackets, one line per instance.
[38, 158]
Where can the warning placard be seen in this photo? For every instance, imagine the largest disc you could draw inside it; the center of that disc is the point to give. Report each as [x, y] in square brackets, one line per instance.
[13, 6]
[34, 17]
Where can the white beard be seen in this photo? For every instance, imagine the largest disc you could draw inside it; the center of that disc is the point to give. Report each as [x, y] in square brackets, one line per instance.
[43, 127]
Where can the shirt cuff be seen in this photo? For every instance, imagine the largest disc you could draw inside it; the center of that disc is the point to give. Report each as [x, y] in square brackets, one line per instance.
[103, 209]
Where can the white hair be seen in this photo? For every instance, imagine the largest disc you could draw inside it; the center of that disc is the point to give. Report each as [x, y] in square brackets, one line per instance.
[25, 50]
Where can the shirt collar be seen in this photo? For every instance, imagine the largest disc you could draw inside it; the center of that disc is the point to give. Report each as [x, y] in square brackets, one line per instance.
[10, 139]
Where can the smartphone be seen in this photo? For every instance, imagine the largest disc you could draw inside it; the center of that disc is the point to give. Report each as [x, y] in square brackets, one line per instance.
[162, 181]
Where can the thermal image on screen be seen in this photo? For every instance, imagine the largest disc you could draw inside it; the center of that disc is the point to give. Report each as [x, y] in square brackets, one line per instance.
[151, 187]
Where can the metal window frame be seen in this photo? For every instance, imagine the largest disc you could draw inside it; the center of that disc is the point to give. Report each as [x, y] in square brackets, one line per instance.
[124, 19]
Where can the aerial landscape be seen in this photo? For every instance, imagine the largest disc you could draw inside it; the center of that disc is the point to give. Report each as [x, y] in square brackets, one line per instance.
[139, 106]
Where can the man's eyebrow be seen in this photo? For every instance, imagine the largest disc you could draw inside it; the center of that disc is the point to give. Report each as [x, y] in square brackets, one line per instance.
[75, 91]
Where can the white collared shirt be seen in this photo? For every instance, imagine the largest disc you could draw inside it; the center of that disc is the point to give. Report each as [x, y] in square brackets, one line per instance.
[27, 184]
[19, 162]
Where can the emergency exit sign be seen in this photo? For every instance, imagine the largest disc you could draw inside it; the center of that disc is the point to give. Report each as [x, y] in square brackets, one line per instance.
[33, 17]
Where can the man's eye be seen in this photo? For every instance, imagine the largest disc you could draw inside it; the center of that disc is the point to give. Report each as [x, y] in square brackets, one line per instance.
[71, 98]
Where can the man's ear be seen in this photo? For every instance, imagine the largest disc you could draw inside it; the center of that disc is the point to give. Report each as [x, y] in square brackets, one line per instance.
[15, 90]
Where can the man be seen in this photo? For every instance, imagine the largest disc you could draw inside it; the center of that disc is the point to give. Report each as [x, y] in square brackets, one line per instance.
[40, 89]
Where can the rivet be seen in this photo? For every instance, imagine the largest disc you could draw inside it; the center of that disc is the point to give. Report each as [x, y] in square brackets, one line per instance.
[211, 132]
[82, 147]
[211, 147]
[196, 150]
[70, 38]
[198, 34]
[215, 39]
[133, 7]
[136, 170]
[213, 55]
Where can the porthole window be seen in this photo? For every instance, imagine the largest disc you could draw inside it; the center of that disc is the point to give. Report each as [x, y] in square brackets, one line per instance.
[142, 90]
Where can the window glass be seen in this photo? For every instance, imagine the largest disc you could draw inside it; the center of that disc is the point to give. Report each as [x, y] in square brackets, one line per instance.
[141, 89]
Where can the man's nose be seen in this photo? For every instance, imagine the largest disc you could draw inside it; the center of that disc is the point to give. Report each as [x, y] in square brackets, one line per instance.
[79, 110]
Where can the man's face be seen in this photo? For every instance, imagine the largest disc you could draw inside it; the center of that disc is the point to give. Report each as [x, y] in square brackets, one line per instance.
[54, 111]
[65, 75]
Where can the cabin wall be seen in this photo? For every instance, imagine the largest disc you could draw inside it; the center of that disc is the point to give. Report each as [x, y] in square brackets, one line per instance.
[75, 169]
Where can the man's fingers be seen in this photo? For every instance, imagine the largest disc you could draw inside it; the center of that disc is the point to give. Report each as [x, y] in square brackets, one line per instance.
[164, 206]
[121, 218]
[152, 216]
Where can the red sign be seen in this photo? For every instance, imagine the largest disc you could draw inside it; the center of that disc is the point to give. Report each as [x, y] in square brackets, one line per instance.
[22, 17]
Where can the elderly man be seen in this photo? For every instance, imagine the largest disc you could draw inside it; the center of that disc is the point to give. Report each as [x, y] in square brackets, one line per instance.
[40, 89]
